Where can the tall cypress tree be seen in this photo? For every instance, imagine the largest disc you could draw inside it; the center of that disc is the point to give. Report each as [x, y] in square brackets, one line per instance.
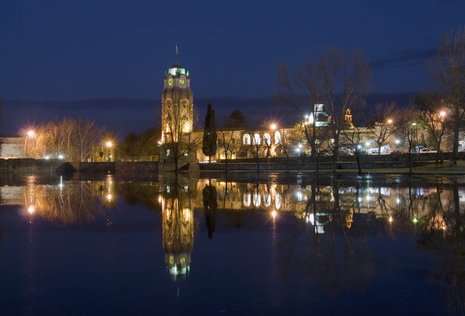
[209, 134]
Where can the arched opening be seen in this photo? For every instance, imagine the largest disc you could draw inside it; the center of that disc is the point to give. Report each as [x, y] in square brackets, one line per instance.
[267, 139]
[277, 137]
[247, 199]
[257, 199]
[246, 139]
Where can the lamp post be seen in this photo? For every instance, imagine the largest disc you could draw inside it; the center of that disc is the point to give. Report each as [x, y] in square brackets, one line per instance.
[109, 145]
[273, 128]
[30, 134]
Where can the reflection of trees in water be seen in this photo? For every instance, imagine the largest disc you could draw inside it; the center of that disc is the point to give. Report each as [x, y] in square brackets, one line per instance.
[75, 202]
[140, 193]
[444, 233]
[338, 257]
[209, 207]
[236, 218]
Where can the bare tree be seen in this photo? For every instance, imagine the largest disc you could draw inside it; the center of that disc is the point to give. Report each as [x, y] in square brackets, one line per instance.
[448, 72]
[306, 83]
[74, 139]
[385, 123]
[435, 125]
[87, 135]
[352, 137]
[351, 72]
[408, 127]
[228, 142]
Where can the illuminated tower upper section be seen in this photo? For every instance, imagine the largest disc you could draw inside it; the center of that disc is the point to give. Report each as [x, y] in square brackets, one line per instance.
[177, 108]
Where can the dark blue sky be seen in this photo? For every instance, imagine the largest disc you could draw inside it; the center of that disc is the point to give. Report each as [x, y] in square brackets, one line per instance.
[78, 49]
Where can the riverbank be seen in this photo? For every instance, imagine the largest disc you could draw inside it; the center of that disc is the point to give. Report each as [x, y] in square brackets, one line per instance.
[150, 169]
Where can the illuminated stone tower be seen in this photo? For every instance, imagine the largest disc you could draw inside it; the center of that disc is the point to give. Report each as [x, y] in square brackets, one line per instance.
[177, 108]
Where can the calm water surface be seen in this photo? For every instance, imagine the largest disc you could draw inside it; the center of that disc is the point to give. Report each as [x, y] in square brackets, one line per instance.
[296, 246]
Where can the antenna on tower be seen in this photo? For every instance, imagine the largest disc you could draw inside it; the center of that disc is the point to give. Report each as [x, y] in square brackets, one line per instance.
[177, 54]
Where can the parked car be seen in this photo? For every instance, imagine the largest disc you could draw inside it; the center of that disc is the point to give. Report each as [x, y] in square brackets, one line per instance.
[427, 151]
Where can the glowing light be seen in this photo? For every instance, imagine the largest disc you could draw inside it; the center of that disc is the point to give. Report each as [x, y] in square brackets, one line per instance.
[31, 209]
[367, 143]
[442, 114]
[398, 201]
[109, 197]
[31, 133]
[390, 219]
[47, 157]
[415, 220]
[273, 126]
[444, 227]
[397, 141]
[389, 121]
[61, 157]
[109, 143]
[274, 214]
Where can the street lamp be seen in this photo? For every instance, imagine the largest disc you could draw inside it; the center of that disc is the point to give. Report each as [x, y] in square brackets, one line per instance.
[30, 134]
[389, 121]
[109, 145]
[273, 126]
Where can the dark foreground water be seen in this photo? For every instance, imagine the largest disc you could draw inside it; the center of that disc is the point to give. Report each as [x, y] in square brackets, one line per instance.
[368, 246]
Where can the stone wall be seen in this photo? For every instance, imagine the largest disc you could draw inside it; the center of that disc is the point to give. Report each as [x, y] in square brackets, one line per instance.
[29, 166]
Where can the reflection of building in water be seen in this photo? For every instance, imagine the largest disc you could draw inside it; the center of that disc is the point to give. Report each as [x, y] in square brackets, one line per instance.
[353, 202]
[177, 232]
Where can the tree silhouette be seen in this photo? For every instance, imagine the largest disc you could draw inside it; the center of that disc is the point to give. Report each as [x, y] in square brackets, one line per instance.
[209, 134]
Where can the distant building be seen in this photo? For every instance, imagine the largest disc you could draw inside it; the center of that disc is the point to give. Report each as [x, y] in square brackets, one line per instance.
[181, 145]
[12, 147]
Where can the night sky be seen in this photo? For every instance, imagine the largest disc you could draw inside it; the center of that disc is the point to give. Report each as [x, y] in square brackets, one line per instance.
[81, 49]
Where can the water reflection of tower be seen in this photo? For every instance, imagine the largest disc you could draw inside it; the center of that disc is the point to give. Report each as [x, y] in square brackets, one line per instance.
[177, 232]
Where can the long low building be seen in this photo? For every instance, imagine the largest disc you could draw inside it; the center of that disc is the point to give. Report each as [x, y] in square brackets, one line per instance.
[12, 147]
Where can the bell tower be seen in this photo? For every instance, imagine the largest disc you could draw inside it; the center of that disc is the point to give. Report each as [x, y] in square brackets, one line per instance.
[177, 108]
